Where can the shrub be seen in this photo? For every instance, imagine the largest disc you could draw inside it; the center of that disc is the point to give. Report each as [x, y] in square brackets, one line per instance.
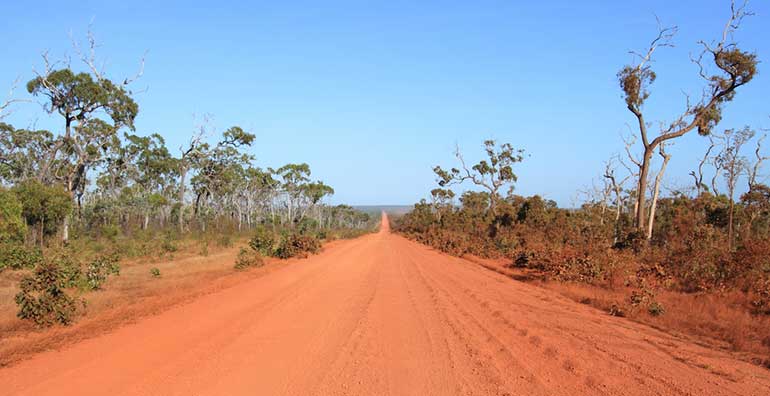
[297, 245]
[263, 241]
[169, 244]
[70, 268]
[248, 258]
[205, 248]
[43, 298]
[656, 309]
[617, 310]
[155, 272]
[15, 256]
[761, 300]
[99, 270]
[110, 232]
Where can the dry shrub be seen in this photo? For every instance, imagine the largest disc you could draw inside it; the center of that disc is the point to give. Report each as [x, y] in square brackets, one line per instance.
[585, 264]
[248, 258]
[297, 245]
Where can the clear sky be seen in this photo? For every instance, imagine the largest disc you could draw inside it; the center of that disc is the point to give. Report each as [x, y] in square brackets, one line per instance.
[374, 94]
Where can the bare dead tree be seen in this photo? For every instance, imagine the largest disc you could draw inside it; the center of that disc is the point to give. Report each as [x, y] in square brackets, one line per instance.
[617, 186]
[757, 167]
[697, 175]
[186, 159]
[736, 68]
[605, 191]
[629, 143]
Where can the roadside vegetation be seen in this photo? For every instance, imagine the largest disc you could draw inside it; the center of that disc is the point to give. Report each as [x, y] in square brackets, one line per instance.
[694, 260]
[76, 201]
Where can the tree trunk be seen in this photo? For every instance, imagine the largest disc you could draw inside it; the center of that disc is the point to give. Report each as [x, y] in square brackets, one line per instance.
[240, 217]
[730, 227]
[180, 198]
[656, 192]
[641, 193]
[65, 230]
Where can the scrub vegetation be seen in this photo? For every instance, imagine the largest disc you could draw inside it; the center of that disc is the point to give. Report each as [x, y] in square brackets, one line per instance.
[696, 259]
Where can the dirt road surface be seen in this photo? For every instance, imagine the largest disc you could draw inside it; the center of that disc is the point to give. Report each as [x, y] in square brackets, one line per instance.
[381, 315]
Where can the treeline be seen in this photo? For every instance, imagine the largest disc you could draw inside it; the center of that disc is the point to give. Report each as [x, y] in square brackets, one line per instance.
[76, 198]
[94, 181]
[629, 236]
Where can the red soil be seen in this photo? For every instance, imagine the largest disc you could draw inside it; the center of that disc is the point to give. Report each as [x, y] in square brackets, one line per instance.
[382, 315]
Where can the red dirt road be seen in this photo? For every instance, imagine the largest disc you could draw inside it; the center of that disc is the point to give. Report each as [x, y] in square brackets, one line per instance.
[381, 315]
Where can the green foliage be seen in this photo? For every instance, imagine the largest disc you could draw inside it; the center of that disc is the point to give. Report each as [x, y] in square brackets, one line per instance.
[248, 258]
[43, 206]
[264, 241]
[169, 243]
[77, 95]
[110, 231]
[12, 226]
[23, 152]
[290, 243]
[491, 174]
[98, 270]
[634, 82]
[43, 298]
[155, 272]
[16, 256]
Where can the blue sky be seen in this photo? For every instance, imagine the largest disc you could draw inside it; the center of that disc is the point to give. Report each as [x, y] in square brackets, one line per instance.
[374, 94]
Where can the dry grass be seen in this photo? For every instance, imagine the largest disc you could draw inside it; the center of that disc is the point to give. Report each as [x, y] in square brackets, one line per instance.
[716, 320]
[133, 294]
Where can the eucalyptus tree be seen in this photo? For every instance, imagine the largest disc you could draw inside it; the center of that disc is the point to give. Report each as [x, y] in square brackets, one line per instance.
[22, 152]
[203, 157]
[259, 192]
[442, 200]
[733, 164]
[314, 193]
[219, 168]
[44, 207]
[93, 109]
[492, 173]
[293, 177]
[734, 68]
[153, 170]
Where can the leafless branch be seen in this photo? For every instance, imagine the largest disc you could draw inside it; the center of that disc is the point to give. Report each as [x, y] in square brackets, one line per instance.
[5, 106]
[89, 57]
[663, 39]
[629, 142]
[754, 171]
[698, 176]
